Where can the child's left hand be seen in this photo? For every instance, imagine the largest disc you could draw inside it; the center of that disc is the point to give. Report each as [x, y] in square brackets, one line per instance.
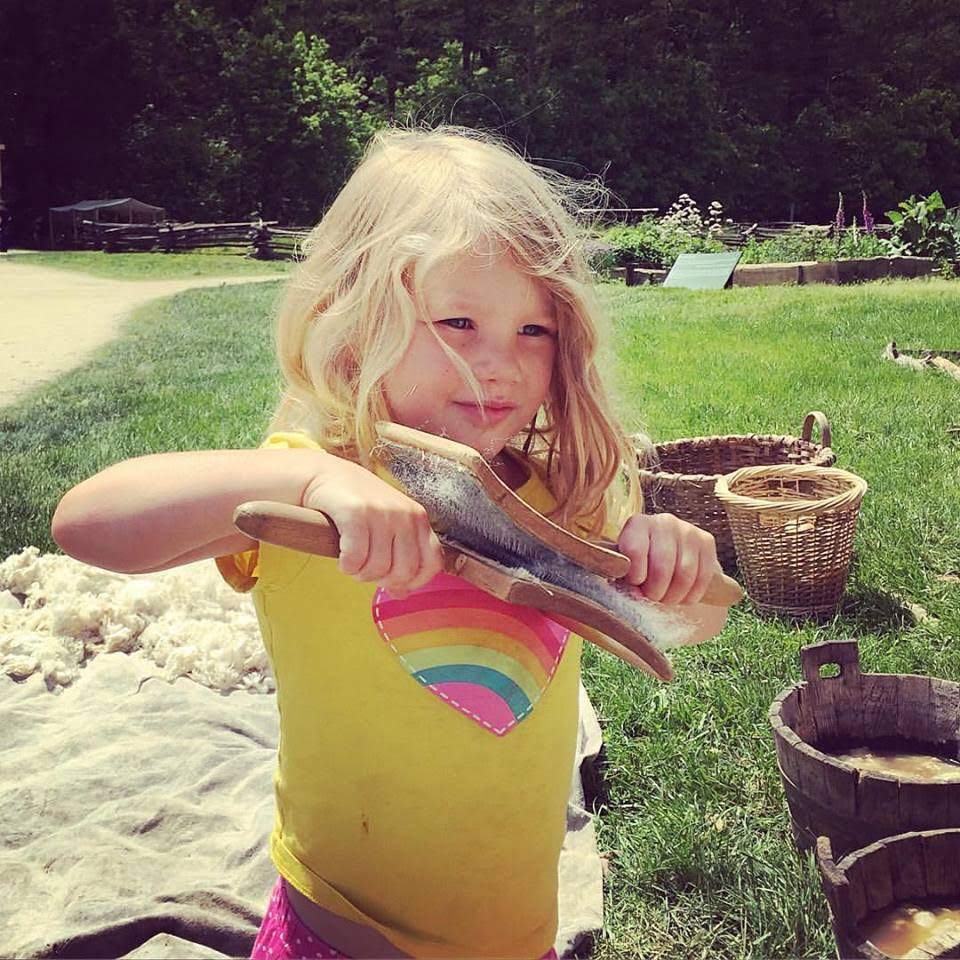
[671, 561]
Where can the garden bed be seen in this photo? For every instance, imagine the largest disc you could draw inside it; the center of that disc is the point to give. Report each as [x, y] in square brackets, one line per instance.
[803, 272]
[832, 271]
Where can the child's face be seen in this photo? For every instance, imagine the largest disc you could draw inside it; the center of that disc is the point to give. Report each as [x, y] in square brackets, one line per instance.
[501, 322]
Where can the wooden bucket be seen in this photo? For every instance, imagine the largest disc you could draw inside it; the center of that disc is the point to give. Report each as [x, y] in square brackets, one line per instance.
[830, 797]
[865, 888]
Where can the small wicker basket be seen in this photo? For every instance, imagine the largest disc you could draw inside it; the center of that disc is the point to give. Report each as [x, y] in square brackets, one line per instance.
[793, 529]
[683, 481]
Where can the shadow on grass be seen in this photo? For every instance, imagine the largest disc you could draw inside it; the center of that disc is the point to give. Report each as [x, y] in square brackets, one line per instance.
[863, 610]
[874, 611]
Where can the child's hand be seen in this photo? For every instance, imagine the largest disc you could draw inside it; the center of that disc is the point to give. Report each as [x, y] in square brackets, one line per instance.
[384, 534]
[672, 561]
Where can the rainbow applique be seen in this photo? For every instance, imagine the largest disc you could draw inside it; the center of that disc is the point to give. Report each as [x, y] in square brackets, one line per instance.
[489, 659]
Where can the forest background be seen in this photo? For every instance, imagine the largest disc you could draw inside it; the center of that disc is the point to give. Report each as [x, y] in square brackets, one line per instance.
[216, 108]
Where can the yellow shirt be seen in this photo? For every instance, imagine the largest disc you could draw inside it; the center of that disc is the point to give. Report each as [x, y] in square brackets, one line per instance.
[426, 749]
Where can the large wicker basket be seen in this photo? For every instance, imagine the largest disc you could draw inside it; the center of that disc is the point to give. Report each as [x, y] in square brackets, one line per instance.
[793, 529]
[683, 481]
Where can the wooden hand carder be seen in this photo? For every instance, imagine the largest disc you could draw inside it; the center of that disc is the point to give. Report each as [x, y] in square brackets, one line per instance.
[493, 539]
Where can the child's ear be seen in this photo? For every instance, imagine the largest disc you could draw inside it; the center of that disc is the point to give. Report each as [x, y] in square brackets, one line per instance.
[409, 279]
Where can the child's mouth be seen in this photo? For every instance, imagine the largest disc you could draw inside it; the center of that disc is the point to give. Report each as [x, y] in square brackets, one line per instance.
[493, 414]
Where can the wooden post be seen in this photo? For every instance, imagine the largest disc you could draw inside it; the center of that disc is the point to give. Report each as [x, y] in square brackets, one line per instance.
[946, 366]
[891, 353]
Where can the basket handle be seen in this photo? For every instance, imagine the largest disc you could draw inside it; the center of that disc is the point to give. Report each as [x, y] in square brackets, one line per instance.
[845, 654]
[822, 422]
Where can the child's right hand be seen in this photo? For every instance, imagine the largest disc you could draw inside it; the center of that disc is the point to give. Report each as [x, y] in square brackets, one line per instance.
[384, 534]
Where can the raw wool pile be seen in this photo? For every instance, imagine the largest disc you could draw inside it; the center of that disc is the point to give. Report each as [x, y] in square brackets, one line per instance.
[56, 613]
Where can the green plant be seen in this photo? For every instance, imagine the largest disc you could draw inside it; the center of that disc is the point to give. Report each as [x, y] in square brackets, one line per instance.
[926, 228]
[805, 244]
[602, 258]
[798, 244]
[683, 230]
[657, 242]
[855, 242]
[946, 269]
[638, 243]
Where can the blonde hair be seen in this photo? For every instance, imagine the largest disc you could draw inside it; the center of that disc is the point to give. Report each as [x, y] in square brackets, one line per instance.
[417, 197]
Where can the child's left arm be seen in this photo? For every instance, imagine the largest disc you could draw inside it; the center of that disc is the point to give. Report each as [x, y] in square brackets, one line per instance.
[673, 562]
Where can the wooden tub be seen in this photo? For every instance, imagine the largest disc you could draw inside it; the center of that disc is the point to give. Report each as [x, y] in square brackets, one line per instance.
[873, 891]
[820, 717]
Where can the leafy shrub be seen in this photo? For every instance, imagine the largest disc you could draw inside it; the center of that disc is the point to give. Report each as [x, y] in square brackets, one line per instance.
[796, 245]
[656, 242]
[926, 228]
[636, 244]
[803, 244]
[855, 242]
[923, 227]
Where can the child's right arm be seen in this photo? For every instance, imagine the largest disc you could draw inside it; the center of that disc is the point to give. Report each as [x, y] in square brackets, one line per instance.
[162, 510]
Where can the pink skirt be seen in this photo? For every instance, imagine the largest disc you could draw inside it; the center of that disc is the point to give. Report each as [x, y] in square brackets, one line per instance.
[284, 936]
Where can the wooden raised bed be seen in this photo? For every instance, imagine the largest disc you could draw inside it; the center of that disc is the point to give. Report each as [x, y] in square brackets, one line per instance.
[816, 718]
[919, 868]
[804, 272]
[832, 271]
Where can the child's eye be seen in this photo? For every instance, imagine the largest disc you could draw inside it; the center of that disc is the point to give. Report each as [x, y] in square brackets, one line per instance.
[541, 331]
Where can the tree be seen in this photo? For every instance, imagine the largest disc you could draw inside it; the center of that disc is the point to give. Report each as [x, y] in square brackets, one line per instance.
[276, 131]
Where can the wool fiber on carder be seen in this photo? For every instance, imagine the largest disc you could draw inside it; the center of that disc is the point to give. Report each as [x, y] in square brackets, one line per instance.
[461, 511]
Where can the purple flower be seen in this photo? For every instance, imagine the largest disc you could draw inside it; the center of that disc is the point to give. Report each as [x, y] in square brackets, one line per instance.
[839, 222]
[867, 219]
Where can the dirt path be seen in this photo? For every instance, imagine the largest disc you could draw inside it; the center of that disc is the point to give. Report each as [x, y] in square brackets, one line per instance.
[52, 320]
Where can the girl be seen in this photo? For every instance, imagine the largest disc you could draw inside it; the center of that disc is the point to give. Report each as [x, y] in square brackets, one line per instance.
[428, 730]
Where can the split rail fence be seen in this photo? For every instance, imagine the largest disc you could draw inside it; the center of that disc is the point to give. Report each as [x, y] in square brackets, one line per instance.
[262, 239]
[267, 240]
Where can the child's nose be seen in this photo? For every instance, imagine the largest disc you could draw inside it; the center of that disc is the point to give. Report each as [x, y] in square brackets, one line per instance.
[499, 361]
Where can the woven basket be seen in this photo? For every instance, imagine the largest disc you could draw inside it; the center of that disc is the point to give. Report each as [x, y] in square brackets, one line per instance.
[683, 481]
[793, 532]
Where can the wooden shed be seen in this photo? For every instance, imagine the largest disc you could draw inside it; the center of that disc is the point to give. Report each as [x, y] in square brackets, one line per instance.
[65, 221]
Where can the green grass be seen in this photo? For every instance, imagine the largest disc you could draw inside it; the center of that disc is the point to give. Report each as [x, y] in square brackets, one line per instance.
[703, 864]
[152, 266]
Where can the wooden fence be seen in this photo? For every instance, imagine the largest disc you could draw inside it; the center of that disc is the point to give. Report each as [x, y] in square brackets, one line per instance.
[737, 234]
[611, 215]
[266, 240]
[262, 239]
[733, 234]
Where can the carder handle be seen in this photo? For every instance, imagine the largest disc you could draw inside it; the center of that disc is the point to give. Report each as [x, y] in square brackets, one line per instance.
[312, 531]
[300, 528]
[723, 591]
[287, 525]
[845, 654]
